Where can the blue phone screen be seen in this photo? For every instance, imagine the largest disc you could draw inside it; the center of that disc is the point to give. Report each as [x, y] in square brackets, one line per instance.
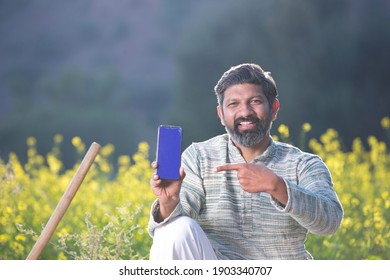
[169, 152]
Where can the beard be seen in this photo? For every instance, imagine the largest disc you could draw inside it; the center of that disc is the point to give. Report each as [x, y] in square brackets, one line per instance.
[250, 137]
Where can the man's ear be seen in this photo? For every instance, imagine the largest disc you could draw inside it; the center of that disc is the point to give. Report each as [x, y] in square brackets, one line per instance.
[275, 109]
[220, 114]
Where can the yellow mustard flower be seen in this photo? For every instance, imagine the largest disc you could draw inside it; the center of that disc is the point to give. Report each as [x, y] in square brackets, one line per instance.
[385, 122]
[284, 130]
[306, 127]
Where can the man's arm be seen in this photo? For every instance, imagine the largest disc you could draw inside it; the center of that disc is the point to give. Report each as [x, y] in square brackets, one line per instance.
[312, 202]
[176, 198]
[168, 193]
[256, 177]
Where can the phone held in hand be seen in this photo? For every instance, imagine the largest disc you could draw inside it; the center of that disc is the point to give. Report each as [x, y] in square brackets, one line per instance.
[169, 141]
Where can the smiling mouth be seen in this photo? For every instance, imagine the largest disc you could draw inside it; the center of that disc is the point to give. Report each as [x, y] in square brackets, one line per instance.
[246, 124]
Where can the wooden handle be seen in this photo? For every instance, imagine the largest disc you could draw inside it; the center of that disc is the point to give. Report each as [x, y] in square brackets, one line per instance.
[65, 201]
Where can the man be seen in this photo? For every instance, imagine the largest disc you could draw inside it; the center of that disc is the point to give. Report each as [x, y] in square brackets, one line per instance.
[243, 195]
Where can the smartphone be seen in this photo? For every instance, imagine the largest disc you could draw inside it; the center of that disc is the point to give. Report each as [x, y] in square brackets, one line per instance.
[168, 154]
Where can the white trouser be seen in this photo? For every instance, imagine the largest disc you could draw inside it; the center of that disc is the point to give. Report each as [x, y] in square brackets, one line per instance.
[181, 239]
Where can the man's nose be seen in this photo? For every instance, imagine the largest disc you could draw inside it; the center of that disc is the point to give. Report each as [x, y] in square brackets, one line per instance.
[246, 110]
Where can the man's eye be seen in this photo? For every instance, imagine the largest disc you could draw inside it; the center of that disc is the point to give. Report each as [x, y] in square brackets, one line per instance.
[256, 101]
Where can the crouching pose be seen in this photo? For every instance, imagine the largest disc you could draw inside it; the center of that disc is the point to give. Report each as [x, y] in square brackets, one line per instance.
[242, 195]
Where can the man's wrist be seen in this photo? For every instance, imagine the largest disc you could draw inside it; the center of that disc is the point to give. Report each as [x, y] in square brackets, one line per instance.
[280, 193]
[163, 211]
[156, 212]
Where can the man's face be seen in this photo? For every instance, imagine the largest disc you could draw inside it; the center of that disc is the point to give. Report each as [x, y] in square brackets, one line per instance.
[246, 114]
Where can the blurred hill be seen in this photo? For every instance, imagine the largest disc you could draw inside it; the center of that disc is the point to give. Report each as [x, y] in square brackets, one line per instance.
[101, 70]
[330, 61]
[111, 71]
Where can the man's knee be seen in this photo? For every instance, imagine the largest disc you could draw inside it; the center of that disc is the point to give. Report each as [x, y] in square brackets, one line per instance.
[178, 230]
[181, 238]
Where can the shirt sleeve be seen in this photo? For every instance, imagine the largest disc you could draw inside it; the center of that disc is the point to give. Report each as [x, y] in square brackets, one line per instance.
[312, 201]
[178, 211]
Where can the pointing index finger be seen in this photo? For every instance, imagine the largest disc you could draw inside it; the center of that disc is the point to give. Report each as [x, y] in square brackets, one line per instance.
[227, 167]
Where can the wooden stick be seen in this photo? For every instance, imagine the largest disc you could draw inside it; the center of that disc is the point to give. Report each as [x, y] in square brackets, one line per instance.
[64, 203]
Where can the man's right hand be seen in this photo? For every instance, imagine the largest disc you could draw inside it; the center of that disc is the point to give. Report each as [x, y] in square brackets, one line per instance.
[167, 191]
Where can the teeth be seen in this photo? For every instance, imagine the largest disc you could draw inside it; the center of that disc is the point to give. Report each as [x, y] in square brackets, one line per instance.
[245, 123]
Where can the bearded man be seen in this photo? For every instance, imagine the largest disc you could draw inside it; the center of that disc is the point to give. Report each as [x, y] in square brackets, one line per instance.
[242, 195]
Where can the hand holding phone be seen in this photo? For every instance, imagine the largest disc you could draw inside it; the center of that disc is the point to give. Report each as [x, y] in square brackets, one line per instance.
[169, 152]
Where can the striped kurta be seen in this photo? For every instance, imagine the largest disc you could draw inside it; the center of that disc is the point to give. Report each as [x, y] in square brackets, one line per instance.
[242, 225]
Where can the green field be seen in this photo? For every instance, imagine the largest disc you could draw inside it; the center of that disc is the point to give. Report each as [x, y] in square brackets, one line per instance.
[108, 217]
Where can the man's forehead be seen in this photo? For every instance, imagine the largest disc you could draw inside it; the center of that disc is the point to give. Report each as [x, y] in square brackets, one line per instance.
[243, 91]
